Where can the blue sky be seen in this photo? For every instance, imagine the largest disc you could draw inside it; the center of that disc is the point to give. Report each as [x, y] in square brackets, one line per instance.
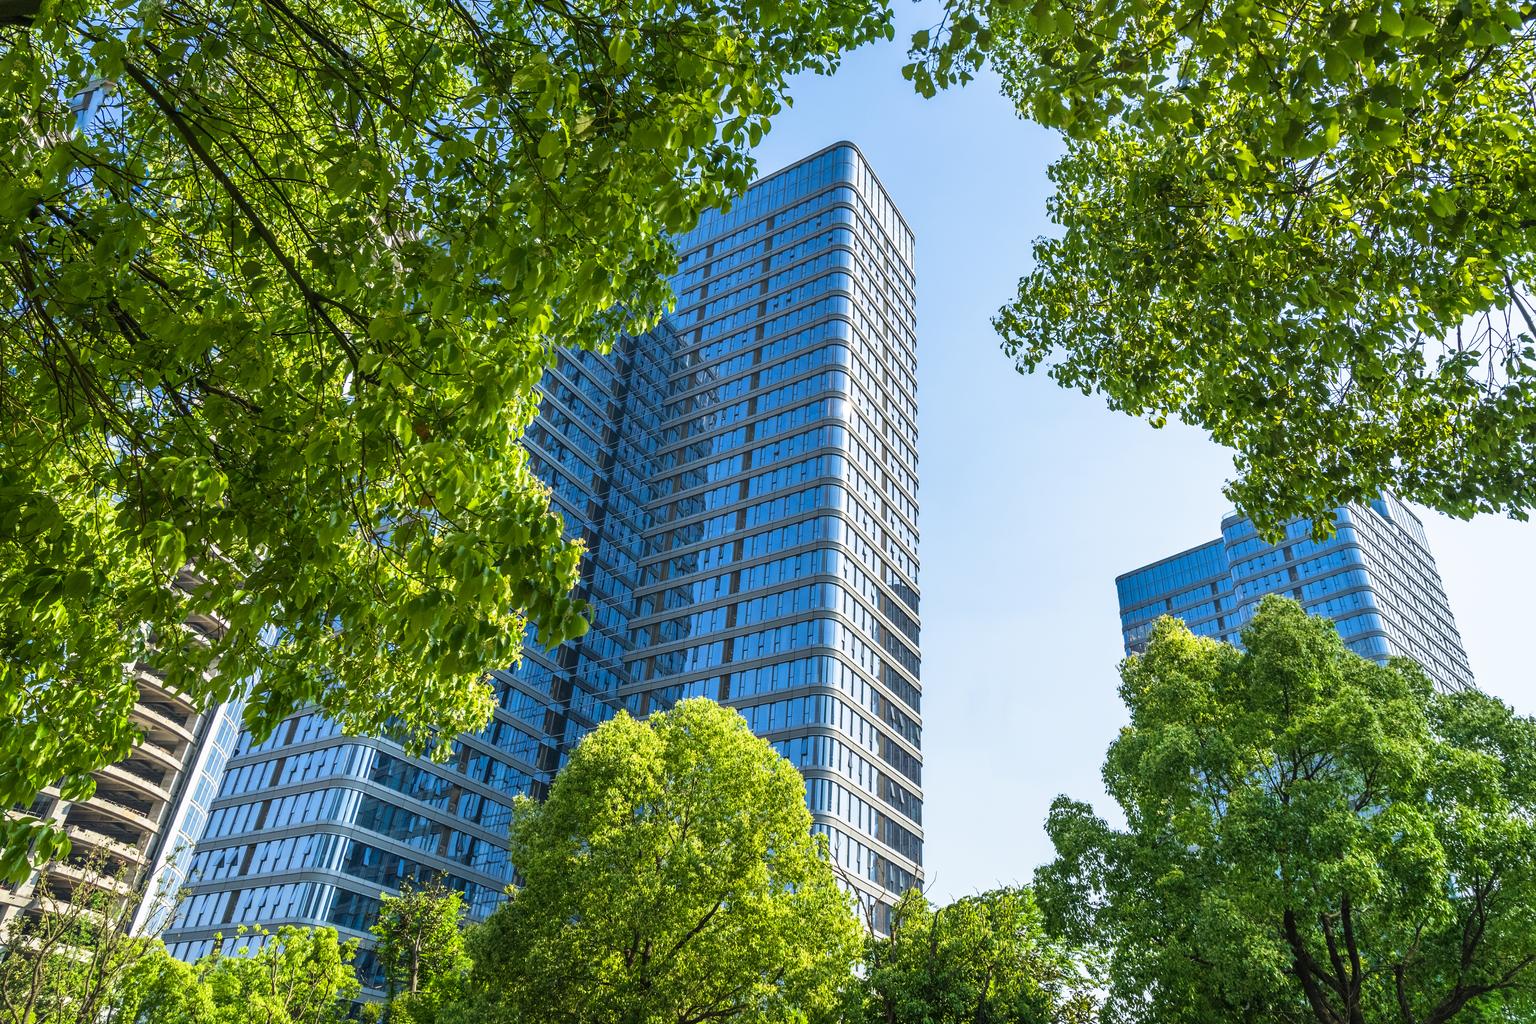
[1033, 499]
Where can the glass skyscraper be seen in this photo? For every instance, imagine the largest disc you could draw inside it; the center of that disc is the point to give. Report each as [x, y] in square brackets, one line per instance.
[1375, 578]
[782, 577]
[309, 826]
[745, 480]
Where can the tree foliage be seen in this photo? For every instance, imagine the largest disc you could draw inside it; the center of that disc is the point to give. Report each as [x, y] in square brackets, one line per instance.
[671, 877]
[420, 949]
[980, 960]
[75, 958]
[277, 311]
[1310, 837]
[295, 976]
[1308, 228]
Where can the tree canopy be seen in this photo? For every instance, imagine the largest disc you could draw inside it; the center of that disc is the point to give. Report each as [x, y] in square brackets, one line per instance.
[1310, 837]
[671, 877]
[279, 281]
[420, 949]
[984, 959]
[74, 958]
[293, 976]
[1308, 228]
[299, 976]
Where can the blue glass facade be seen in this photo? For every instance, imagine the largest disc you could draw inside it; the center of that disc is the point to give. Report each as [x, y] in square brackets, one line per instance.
[783, 575]
[1375, 578]
[744, 478]
[309, 826]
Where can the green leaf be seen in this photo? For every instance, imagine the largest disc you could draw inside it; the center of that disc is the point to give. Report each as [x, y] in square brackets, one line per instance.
[1299, 325]
[619, 49]
[324, 265]
[169, 545]
[604, 863]
[1357, 784]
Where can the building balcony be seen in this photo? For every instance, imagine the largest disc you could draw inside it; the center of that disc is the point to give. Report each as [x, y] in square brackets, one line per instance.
[155, 719]
[124, 774]
[85, 837]
[153, 690]
[104, 804]
[159, 755]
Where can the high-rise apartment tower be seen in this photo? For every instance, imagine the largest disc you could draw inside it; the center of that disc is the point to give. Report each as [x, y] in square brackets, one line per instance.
[135, 832]
[1375, 578]
[782, 573]
[745, 479]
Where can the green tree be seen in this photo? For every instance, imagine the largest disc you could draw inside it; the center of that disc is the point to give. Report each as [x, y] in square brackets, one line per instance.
[278, 310]
[980, 960]
[1310, 837]
[1306, 227]
[164, 990]
[671, 877]
[420, 949]
[295, 976]
[75, 959]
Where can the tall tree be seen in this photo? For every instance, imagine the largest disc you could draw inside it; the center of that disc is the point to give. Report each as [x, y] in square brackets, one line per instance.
[980, 960]
[420, 948]
[1307, 227]
[295, 976]
[279, 279]
[73, 959]
[76, 960]
[671, 877]
[1310, 837]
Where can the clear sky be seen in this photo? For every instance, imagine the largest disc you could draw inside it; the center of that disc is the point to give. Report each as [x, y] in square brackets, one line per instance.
[1034, 499]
